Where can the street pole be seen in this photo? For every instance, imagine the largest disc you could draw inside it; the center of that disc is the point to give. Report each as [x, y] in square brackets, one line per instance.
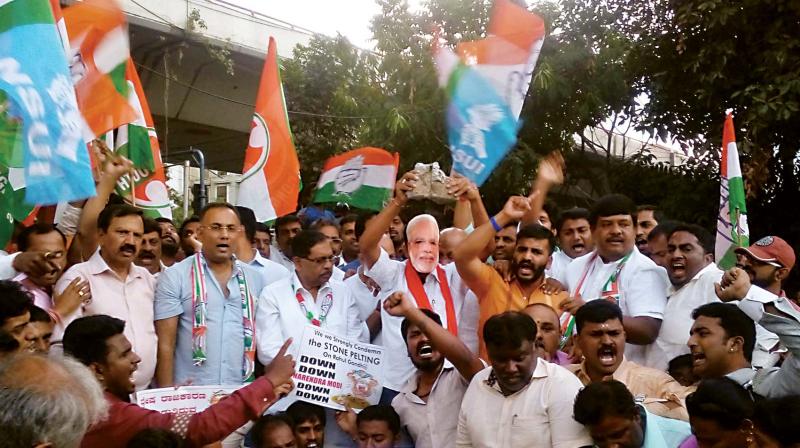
[198, 156]
[186, 188]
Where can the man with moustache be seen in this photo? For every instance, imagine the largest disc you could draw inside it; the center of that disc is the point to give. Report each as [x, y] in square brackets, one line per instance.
[548, 333]
[170, 241]
[49, 243]
[534, 246]
[617, 272]
[429, 402]
[432, 286]
[574, 239]
[210, 294]
[601, 338]
[520, 400]
[263, 239]
[505, 240]
[286, 227]
[188, 234]
[149, 256]
[397, 232]
[119, 288]
[768, 262]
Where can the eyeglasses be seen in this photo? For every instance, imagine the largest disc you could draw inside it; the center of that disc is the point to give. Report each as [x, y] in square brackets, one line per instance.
[322, 261]
[218, 228]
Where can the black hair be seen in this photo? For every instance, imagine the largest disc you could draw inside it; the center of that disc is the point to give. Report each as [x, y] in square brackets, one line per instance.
[733, 320]
[40, 228]
[513, 224]
[597, 312]
[538, 232]
[361, 223]
[779, 418]
[658, 215]
[85, 339]
[406, 323]
[215, 205]
[721, 400]
[261, 227]
[347, 219]
[381, 413]
[551, 209]
[664, 228]
[248, 220]
[684, 361]
[165, 220]
[15, 301]
[40, 315]
[155, 438]
[266, 422]
[8, 344]
[284, 220]
[571, 214]
[611, 205]
[116, 211]
[603, 399]
[151, 225]
[300, 412]
[186, 222]
[703, 236]
[509, 329]
[305, 240]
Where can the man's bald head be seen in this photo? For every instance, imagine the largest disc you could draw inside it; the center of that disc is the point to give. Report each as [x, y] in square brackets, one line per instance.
[59, 397]
[449, 239]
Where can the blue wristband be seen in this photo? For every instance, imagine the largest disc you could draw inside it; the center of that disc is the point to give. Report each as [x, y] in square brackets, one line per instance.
[496, 226]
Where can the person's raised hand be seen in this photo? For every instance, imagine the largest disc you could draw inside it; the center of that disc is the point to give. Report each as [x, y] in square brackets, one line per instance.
[34, 263]
[734, 285]
[552, 286]
[503, 267]
[404, 185]
[462, 188]
[551, 170]
[281, 369]
[398, 304]
[115, 167]
[516, 207]
[347, 421]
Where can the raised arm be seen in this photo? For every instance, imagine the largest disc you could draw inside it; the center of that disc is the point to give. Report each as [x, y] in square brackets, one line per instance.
[467, 255]
[550, 174]
[399, 305]
[369, 243]
[114, 168]
[469, 205]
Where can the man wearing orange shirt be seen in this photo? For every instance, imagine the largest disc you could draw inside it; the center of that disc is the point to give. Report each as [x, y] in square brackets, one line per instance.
[532, 253]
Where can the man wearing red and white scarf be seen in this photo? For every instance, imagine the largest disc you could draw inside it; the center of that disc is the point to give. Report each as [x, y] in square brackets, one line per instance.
[432, 286]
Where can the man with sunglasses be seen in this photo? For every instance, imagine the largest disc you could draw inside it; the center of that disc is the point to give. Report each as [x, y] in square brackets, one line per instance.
[768, 262]
[311, 296]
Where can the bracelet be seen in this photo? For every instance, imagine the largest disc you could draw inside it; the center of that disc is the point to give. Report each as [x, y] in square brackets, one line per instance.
[495, 225]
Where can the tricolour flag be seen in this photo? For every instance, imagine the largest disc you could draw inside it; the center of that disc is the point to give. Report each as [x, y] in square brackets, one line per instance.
[98, 37]
[138, 142]
[41, 121]
[271, 174]
[487, 82]
[362, 178]
[732, 230]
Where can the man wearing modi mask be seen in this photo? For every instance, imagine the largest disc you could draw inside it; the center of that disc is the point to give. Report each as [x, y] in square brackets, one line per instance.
[431, 285]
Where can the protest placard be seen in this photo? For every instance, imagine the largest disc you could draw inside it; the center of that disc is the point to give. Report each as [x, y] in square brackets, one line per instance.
[185, 399]
[333, 371]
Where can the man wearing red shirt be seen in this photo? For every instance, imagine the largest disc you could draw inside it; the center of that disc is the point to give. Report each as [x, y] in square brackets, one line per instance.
[99, 343]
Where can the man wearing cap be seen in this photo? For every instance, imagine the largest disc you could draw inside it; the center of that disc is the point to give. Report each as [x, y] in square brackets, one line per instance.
[768, 262]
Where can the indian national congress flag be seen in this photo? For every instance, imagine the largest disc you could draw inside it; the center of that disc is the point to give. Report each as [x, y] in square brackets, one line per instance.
[362, 178]
[732, 231]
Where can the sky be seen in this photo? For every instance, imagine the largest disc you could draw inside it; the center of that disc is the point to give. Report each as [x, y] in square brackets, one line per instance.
[351, 18]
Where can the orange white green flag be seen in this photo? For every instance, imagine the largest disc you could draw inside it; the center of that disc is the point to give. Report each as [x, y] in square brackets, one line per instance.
[138, 142]
[732, 230]
[362, 178]
[271, 174]
[99, 46]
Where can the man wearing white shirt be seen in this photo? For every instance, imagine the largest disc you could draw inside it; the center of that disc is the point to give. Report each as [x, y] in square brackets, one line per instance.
[574, 240]
[432, 286]
[286, 227]
[331, 231]
[521, 400]
[309, 297]
[616, 271]
[692, 274]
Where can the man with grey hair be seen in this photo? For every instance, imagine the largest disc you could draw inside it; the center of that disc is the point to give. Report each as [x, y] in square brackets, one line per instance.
[47, 402]
[431, 285]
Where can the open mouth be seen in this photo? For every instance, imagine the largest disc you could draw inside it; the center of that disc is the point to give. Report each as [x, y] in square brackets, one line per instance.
[607, 356]
[619, 241]
[678, 267]
[312, 445]
[580, 248]
[425, 351]
[698, 359]
[223, 246]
